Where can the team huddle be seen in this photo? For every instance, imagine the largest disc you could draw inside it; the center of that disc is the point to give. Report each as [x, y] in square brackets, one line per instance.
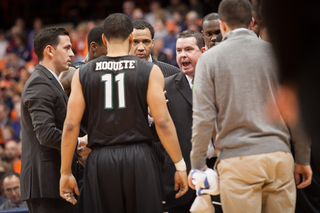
[136, 143]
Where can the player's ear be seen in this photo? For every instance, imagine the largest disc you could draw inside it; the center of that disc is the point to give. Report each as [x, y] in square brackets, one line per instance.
[251, 23]
[104, 40]
[131, 38]
[93, 46]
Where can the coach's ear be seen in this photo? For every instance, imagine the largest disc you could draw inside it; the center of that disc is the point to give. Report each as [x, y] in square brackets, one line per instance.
[104, 40]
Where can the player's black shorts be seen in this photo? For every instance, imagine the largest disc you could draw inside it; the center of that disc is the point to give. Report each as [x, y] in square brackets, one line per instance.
[122, 179]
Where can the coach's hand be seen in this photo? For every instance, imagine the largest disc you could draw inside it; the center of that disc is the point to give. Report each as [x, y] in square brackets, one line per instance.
[82, 149]
[68, 184]
[306, 173]
[180, 180]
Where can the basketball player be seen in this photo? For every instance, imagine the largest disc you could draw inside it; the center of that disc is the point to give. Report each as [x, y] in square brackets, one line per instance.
[121, 173]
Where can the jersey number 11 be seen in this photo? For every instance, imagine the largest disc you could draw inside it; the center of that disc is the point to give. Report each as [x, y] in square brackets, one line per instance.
[107, 79]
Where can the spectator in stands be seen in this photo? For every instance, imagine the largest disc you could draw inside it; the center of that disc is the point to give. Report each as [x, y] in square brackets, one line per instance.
[170, 42]
[5, 96]
[21, 46]
[157, 50]
[3, 44]
[7, 134]
[24, 76]
[137, 14]
[192, 18]
[177, 5]
[5, 120]
[37, 27]
[14, 31]
[160, 30]
[179, 19]
[16, 116]
[128, 7]
[3, 197]
[11, 185]
[79, 41]
[13, 65]
[19, 22]
[154, 6]
[13, 154]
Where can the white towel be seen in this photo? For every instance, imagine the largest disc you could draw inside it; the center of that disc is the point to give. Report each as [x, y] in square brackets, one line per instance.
[207, 183]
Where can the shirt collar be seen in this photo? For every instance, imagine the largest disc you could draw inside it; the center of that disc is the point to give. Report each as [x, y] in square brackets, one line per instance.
[190, 81]
[55, 75]
[150, 59]
[239, 29]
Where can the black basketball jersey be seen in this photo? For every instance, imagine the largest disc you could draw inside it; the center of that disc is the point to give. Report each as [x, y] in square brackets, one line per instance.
[77, 64]
[115, 92]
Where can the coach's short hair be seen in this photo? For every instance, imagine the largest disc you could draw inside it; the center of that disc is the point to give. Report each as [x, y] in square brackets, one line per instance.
[193, 33]
[141, 25]
[47, 37]
[95, 34]
[210, 17]
[117, 26]
[235, 13]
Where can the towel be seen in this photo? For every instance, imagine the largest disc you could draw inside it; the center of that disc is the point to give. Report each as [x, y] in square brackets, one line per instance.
[207, 183]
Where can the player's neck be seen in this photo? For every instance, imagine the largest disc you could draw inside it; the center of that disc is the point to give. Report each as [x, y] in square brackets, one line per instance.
[115, 50]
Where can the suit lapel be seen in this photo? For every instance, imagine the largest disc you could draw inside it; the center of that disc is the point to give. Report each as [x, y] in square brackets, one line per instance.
[59, 86]
[183, 87]
[53, 80]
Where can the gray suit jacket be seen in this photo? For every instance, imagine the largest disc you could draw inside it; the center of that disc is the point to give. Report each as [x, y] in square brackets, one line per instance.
[43, 111]
[179, 95]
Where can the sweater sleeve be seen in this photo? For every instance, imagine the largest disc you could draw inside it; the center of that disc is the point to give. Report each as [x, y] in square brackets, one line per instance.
[302, 144]
[204, 112]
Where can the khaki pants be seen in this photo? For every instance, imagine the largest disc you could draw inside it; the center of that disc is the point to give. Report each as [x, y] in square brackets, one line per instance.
[258, 183]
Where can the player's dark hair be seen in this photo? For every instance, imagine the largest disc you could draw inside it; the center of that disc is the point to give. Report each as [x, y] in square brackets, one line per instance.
[141, 25]
[95, 35]
[257, 11]
[117, 26]
[193, 33]
[235, 13]
[47, 37]
[210, 17]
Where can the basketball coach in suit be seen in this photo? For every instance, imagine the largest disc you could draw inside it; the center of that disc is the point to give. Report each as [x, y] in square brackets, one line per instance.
[43, 111]
[143, 40]
[190, 45]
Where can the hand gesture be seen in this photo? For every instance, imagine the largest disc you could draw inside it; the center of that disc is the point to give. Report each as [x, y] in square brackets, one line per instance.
[180, 180]
[68, 184]
[83, 150]
[306, 173]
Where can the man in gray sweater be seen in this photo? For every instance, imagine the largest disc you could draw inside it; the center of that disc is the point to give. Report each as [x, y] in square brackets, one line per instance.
[233, 86]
